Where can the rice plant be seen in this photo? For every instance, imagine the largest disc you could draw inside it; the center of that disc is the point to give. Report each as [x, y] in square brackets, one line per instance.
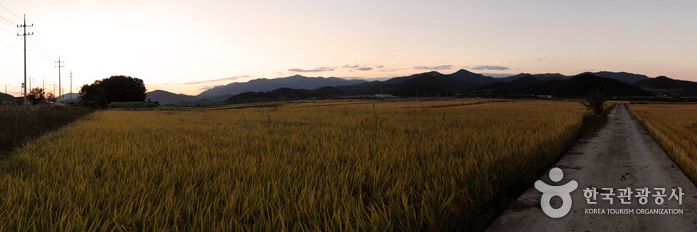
[322, 166]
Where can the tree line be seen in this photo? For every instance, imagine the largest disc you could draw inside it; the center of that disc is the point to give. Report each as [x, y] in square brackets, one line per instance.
[99, 94]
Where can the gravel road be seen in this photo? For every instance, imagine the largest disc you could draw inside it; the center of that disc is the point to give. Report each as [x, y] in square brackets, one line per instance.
[622, 155]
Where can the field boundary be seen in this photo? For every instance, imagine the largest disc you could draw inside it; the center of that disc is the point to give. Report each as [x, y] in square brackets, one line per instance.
[675, 152]
[591, 124]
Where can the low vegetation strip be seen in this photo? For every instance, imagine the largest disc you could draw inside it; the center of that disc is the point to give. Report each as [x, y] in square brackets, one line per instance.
[366, 168]
[674, 127]
[18, 123]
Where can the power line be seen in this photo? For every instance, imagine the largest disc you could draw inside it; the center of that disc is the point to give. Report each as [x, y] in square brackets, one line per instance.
[37, 64]
[40, 49]
[41, 39]
[10, 46]
[7, 20]
[42, 53]
[8, 30]
[10, 11]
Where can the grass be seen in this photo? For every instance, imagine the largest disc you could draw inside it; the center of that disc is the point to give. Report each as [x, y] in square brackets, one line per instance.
[674, 127]
[341, 166]
[131, 105]
[18, 123]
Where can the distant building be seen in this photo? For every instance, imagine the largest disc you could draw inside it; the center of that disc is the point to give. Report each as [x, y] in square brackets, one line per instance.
[544, 96]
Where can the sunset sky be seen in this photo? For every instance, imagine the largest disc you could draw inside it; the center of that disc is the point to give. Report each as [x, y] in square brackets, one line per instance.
[188, 46]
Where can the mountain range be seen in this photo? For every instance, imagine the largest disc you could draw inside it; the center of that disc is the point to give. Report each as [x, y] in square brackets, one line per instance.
[435, 84]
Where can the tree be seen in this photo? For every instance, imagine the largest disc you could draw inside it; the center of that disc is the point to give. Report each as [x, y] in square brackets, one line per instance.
[36, 96]
[50, 97]
[595, 101]
[114, 89]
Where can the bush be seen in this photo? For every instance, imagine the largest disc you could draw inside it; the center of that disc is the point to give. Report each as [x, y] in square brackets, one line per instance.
[595, 101]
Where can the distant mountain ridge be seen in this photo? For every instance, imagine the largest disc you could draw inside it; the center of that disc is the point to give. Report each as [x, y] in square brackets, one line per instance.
[665, 86]
[263, 85]
[432, 82]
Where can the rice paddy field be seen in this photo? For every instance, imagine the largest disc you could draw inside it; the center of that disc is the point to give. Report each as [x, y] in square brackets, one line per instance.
[674, 126]
[312, 166]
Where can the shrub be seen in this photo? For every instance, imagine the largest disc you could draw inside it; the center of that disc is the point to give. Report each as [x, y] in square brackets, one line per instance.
[595, 101]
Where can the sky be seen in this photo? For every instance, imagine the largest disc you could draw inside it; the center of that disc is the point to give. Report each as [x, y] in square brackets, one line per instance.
[190, 46]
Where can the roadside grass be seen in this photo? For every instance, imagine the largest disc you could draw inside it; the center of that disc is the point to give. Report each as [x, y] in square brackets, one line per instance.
[374, 166]
[674, 127]
[19, 123]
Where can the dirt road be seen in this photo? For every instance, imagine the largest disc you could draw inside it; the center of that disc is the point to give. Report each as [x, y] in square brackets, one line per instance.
[622, 155]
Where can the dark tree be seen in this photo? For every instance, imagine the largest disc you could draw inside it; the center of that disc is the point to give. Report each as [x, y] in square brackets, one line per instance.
[114, 89]
[50, 97]
[36, 96]
[93, 94]
[123, 89]
[595, 101]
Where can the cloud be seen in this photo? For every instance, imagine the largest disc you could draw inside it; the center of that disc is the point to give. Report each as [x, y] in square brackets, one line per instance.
[358, 67]
[394, 70]
[320, 69]
[439, 67]
[216, 80]
[380, 66]
[490, 67]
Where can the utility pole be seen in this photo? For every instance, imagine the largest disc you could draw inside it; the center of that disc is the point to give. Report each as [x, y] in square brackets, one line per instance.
[30, 81]
[6, 88]
[71, 85]
[59, 77]
[24, 25]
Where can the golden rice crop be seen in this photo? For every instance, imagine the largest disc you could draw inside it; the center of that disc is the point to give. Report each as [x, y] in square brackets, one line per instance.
[329, 166]
[674, 126]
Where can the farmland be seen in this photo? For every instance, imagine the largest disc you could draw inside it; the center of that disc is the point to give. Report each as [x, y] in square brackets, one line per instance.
[329, 166]
[674, 127]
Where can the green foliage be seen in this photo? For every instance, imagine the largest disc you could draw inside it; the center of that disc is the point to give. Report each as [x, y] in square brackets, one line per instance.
[114, 89]
[595, 101]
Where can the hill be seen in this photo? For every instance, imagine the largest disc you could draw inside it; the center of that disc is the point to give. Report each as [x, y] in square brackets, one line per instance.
[467, 76]
[7, 97]
[582, 84]
[441, 85]
[630, 78]
[575, 87]
[669, 87]
[263, 85]
[437, 84]
[284, 94]
[164, 97]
